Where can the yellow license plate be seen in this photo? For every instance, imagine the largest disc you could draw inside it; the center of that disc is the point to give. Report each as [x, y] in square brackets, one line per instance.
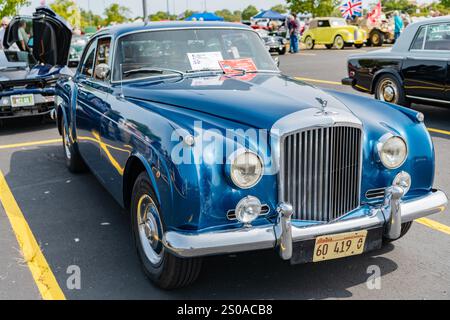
[25, 100]
[339, 245]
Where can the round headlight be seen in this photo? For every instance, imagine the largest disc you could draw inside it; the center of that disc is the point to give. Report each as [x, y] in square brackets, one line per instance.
[403, 180]
[246, 169]
[248, 209]
[392, 152]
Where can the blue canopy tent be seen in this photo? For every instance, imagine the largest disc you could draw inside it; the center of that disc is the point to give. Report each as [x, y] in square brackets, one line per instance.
[205, 16]
[269, 14]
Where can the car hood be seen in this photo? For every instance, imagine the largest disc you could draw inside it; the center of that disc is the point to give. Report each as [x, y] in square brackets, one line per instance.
[52, 36]
[256, 100]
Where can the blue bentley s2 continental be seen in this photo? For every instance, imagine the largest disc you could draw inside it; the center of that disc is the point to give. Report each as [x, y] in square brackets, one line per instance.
[192, 127]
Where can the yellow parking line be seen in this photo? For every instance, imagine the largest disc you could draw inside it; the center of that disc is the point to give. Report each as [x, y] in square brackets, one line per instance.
[434, 225]
[319, 81]
[29, 144]
[439, 131]
[32, 254]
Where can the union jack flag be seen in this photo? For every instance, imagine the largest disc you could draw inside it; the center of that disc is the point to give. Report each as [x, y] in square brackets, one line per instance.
[351, 8]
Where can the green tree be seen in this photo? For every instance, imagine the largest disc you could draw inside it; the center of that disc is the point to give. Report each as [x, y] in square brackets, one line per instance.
[228, 15]
[162, 15]
[316, 8]
[88, 18]
[69, 10]
[9, 7]
[116, 14]
[446, 4]
[249, 12]
[398, 5]
[280, 8]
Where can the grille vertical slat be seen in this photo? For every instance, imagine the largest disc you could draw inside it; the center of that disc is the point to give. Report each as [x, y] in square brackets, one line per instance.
[321, 172]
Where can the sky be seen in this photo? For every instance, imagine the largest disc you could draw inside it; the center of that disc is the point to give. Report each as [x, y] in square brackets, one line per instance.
[177, 6]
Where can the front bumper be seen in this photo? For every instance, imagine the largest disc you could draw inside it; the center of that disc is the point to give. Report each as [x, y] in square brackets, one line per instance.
[283, 234]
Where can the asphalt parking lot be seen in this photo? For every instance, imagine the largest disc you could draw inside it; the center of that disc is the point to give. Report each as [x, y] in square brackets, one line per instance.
[76, 223]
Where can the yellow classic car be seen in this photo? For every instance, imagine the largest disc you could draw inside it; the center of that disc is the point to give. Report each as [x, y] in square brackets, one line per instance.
[333, 32]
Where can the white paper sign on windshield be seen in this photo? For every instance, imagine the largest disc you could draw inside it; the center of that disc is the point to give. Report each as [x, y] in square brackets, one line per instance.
[205, 60]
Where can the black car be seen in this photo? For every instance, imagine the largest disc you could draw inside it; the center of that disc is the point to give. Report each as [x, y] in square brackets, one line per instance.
[415, 69]
[274, 43]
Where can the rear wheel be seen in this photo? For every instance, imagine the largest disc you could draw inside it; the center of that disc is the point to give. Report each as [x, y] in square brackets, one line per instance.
[74, 162]
[163, 268]
[339, 42]
[309, 43]
[389, 89]
[405, 229]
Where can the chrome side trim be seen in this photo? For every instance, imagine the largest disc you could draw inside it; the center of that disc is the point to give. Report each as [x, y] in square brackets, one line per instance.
[429, 99]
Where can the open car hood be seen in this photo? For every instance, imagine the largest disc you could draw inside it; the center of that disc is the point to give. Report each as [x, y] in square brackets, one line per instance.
[51, 36]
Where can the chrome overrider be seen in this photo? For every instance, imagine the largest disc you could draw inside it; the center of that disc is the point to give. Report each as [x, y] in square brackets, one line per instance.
[391, 214]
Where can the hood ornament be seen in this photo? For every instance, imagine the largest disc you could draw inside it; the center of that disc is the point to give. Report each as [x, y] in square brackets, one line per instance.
[323, 105]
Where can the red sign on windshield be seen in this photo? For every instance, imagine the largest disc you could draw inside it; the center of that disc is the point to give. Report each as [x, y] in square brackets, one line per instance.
[238, 65]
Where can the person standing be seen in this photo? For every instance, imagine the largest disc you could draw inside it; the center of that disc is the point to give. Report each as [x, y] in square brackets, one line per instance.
[398, 25]
[24, 38]
[5, 23]
[294, 29]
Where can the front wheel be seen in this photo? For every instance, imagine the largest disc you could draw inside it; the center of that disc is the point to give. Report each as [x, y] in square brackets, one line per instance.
[72, 157]
[339, 42]
[282, 52]
[389, 89]
[163, 268]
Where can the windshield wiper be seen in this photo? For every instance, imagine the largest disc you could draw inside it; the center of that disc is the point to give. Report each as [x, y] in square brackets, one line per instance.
[152, 70]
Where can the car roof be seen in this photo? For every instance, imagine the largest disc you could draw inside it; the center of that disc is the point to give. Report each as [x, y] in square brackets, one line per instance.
[121, 29]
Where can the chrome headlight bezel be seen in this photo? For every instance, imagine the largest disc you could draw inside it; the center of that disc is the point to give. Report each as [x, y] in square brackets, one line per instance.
[380, 148]
[232, 162]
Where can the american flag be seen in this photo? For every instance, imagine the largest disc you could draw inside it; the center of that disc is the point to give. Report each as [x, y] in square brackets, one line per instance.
[351, 8]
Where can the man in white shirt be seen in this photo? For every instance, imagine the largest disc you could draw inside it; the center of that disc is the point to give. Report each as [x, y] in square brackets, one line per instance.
[5, 23]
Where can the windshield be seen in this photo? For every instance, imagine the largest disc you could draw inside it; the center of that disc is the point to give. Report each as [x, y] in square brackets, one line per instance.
[187, 51]
[338, 23]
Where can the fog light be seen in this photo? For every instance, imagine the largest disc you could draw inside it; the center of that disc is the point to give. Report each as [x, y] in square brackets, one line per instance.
[248, 209]
[403, 180]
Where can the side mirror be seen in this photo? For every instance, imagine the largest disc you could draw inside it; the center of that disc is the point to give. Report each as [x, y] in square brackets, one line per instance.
[102, 71]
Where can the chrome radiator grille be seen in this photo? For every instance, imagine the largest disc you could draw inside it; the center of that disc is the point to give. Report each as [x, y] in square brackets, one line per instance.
[320, 172]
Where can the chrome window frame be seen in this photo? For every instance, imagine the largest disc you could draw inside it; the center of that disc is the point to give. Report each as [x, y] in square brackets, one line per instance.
[425, 39]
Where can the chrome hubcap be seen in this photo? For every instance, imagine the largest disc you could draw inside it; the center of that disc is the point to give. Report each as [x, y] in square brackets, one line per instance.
[309, 42]
[149, 230]
[339, 42]
[66, 144]
[388, 91]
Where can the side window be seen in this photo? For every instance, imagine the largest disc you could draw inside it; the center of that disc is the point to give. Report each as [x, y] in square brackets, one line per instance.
[87, 67]
[438, 37]
[313, 24]
[418, 41]
[324, 23]
[103, 49]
